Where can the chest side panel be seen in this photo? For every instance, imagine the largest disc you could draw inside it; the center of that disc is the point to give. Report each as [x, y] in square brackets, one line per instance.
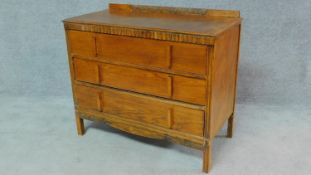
[224, 74]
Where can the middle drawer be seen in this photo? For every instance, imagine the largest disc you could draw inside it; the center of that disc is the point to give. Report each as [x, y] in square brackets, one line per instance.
[147, 82]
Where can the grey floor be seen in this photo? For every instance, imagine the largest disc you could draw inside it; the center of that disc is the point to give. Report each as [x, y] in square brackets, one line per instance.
[38, 137]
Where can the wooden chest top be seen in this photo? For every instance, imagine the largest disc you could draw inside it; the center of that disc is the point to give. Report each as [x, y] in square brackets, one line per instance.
[199, 26]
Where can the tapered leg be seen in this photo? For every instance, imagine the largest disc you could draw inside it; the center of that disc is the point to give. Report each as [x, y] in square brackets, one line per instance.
[80, 124]
[207, 156]
[230, 126]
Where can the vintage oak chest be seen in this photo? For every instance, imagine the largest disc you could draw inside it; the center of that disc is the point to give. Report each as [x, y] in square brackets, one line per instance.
[158, 72]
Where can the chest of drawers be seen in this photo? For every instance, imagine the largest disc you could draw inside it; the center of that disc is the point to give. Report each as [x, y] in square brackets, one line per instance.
[158, 72]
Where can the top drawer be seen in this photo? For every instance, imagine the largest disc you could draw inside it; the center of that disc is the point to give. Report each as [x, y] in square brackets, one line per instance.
[133, 51]
[163, 55]
[81, 43]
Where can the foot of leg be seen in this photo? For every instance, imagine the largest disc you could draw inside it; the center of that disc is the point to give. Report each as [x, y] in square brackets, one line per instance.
[230, 126]
[207, 156]
[80, 124]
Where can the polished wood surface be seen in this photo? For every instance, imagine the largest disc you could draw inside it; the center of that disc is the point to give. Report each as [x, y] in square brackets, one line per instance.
[146, 82]
[169, 56]
[209, 26]
[198, 29]
[133, 107]
[87, 71]
[137, 80]
[158, 72]
[189, 90]
[129, 50]
[129, 9]
[82, 43]
[230, 126]
[80, 124]
[207, 155]
[189, 58]
[223, 77]
[144, 129]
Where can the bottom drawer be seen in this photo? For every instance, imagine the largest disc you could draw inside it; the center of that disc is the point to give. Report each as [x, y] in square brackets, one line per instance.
[145, 109]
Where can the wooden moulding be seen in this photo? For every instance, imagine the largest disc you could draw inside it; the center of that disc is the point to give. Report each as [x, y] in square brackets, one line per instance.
[170, 11]
[127, 10]
[142, 33]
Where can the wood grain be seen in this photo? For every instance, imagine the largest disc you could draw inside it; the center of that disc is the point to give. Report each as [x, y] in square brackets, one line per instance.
[82, 43]
[158, 72]
[224, 67]
[189, 90]
[187, 120]
[140, 33]
[169, 86]
[136, 80]
[189, 58]
[88, 98]
[207, 156]
[169, 11]
[149, 97]
[145, 130]
[80, 124]
[135, 108]
[87, 71]
[230, 126]
[129, 50]
[188, 28]
[145, 110]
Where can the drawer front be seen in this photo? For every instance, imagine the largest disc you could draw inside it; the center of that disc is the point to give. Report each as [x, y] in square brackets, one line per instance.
[177, 57]
[81, 43]
[136, 80]
[188, 120]
[159, 84]
[189, 90]
[86, 71]
[141, 108]
[133, 50]
[87, 98]
[189, 58]
[135, 108]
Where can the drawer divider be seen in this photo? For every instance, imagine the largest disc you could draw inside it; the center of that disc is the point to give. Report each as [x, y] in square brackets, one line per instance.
[170, 86]
[169, 56]
[99, 101]
[100, 76]
[95, 44]
[170, 118]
